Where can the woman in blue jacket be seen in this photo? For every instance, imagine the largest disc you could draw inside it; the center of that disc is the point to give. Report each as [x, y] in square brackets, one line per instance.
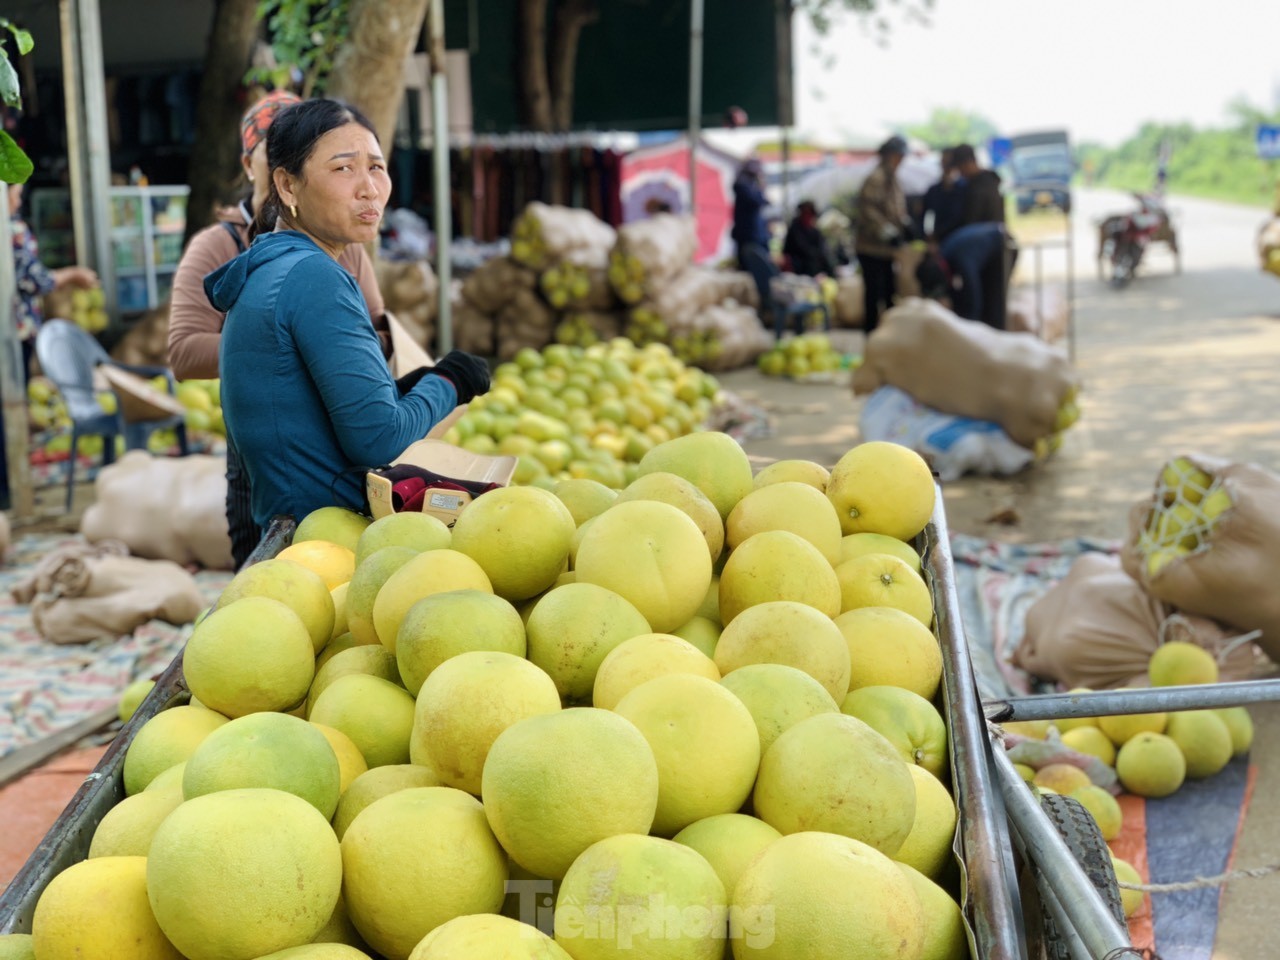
[306, 393]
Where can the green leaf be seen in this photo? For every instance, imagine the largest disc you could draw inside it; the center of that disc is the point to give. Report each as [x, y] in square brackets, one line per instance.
[9, 83]
[15, 166]
[23, 37]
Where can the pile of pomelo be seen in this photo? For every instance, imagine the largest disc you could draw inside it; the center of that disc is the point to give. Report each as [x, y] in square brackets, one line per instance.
[571, 413]
[1151, 754]
[691, 719]
[800, 356]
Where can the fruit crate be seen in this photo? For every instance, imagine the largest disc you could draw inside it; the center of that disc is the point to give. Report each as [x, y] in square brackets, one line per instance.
[68, 840]
[983, 846]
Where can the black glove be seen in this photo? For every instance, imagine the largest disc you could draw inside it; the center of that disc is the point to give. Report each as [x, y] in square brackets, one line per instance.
[468, 374]
[410, 380]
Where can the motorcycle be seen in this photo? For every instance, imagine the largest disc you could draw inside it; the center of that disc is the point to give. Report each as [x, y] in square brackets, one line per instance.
[1125, 237]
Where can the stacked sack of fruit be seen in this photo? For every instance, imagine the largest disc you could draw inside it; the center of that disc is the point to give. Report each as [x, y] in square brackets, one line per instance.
[989, 381]
[715, 691]
[409, 291]
[1092, 759]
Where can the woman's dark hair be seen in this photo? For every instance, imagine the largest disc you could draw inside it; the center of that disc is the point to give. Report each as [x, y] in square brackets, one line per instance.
[290, 141]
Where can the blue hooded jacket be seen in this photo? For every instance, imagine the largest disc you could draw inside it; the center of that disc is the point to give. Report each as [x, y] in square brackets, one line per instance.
[306, 394]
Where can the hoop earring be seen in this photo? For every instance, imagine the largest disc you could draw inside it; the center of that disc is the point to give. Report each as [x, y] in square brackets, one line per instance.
[293, 211]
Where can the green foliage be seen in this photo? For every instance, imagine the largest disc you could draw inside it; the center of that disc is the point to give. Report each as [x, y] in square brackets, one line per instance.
[948, 126]
[15, 165]
[824, 13]
[1219, 163]
[306, 36]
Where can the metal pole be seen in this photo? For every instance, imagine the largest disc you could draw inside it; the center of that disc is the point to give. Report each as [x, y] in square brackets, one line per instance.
[440, 158]
[74, 100]
[786, 171]
[1105, 703]
[12, 390]
[695, 100]
[1071, 284]
[99, 150]
[1091, 919]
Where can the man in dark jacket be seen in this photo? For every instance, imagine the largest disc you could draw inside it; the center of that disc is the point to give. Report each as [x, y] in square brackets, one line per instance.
[975, 247]
[805, 245]
[750, 232]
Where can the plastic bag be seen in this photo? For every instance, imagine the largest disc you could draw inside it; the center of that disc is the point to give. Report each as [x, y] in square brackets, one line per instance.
[953, 446]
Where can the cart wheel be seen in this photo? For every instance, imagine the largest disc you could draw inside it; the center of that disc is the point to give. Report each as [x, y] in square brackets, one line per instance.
[1081, 833]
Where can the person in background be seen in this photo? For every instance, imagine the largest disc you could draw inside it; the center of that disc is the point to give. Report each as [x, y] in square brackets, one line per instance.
[805, 246]
[195, 325]
[33, 279]
[750, 232]
[882, 227]
[975, 249]
[942, 208]
[306, 393]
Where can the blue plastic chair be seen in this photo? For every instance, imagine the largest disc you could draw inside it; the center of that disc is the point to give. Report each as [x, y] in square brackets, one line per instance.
[68, 356]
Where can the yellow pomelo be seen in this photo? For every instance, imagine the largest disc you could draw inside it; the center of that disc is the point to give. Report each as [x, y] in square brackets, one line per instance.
[487, 937]
[300, 589]
[241, 873]
[339, 596]
[1183, 478]
[520, 538]
[678, 492]
[778, 697]
[1102, 806]
[553, 785]
[929, 846]
[169, 778]
[250, 656]
[729, 842]
[813, 895]
[861, 544]
[318, 951]
[351, 762]
[447, 624]
[374, 785]
[796, 507]
[1125, 873]
[364, 659]
[576, 541]
[99, 908]
[1122, 728]
[944, 930]
[415, 859]
[793, 471]
[334, 524]
[1150, 765]
[1092, 741]
[1035, 729]
[584, 498]
[883, 580]
[907, 720]
[436, 571]
[789, 633]
[1026, 773]
[1204, 740]
[834, 773]
[366, 582]
[777, 565]
[643, 658]
[713, 462]
[1240, 726]
[132, 697]
[890, 647]
[164, 741]
[339, 929]
[710, 608]
[267, 750]
[466, 703]
[376, 714]
[419, 532]
[705, 743]
[128, 827]
[17, 946]
[1177, 663]
[1061, 778]
[619, 878]
[571, 631]
[334, 564]
[651, 554]
[881, 487]
[702, 633]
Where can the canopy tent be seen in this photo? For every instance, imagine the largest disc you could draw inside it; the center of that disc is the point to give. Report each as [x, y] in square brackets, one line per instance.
[824, 187]
[661, 173]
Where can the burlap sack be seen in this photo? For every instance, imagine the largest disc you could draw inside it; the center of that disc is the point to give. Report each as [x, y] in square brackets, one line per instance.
[1097, 628]
[850, 305]
[906, 261]
[1044, 314]
[164, 509]
[966, 368]
[1232, 577]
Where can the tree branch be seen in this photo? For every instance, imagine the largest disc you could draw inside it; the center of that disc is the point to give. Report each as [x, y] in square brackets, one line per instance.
[534, 84]
[571, 17]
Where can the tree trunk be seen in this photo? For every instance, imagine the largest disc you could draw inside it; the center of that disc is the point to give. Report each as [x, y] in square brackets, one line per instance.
[368, 71]
[216, 148]
[534, 83]
[571, 17]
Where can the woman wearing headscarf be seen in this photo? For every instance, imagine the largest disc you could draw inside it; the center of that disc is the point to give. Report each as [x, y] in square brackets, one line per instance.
[882, 226]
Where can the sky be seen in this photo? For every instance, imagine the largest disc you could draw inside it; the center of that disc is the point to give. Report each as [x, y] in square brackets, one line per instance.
[1099, 68]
